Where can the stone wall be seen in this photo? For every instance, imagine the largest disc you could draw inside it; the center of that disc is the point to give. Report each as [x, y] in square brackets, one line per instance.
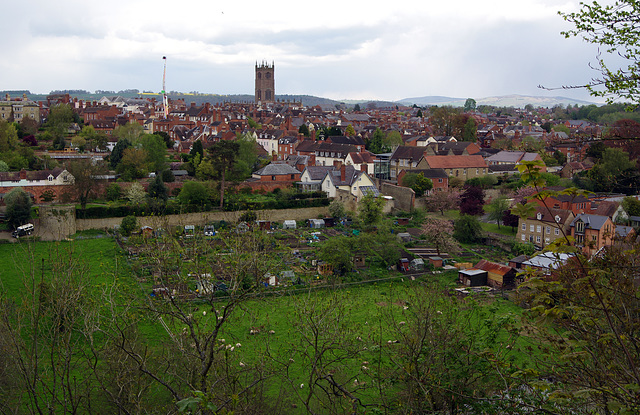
[56, 222]
[202, 218]
[404, 197]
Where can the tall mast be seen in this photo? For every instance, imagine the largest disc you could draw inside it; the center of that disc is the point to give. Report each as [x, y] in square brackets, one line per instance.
[165, 101]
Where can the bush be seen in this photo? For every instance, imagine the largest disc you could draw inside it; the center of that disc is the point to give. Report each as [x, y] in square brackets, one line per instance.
[113, 192]
[128, 225]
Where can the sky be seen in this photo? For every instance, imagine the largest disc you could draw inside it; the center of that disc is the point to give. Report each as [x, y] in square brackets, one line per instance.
[333, 49]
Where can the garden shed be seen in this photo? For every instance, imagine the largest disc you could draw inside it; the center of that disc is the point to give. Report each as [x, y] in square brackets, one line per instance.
[316, 223]
[289, 224]
[472, 277]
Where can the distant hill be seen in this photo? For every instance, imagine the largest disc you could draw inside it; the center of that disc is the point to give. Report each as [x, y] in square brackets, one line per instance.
[518, 101]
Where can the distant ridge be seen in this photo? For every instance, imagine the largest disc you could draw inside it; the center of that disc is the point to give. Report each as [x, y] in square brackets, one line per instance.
[517, 101]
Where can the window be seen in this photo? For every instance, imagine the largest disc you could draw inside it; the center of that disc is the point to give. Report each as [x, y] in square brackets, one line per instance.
[293, 176]
[524, 226]
[476, 171]
[524, 237]
[273, 177]
[556, 231]
[537, 239]
[580, 226]
[439, 180]
[531, 228]
[579, 239]
[548, 230]
[539, 229]
[594, 238]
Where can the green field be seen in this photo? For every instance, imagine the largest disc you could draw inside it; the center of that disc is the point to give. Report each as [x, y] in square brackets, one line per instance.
[360, 336]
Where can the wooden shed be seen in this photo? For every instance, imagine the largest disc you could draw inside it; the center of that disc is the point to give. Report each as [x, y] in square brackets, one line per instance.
[472, 277]
[498, 276]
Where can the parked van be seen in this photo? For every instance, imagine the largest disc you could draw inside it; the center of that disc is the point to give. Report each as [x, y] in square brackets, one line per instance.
[23, 230]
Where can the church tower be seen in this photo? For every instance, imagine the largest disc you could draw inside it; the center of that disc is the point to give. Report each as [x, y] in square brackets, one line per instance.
[265, 83]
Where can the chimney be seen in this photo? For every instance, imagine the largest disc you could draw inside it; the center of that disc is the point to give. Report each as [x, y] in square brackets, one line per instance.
[363, 167]
[313, 135]
[23, 174]
[343, 173]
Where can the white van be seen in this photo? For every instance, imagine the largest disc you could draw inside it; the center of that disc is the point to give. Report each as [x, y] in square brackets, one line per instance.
[23, 230]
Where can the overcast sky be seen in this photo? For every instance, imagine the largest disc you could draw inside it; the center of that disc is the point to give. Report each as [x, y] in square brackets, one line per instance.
[335, 49]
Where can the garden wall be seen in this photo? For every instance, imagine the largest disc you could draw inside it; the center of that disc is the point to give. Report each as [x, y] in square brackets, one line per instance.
[202, 218]
[404, 197]
[56, 222]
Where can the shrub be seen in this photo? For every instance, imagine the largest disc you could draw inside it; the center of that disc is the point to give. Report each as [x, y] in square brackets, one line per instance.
[128, 225]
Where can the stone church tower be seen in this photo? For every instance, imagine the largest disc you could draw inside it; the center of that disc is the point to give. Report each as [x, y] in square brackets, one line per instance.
[265, 83]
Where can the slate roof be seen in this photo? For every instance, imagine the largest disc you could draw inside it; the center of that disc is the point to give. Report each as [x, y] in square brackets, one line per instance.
[408, 153]
[275, 169]
[591, 221]
[318, 172]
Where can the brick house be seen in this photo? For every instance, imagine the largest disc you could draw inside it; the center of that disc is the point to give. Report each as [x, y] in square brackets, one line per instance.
[405, 158]
[592, 232]
[273, 176]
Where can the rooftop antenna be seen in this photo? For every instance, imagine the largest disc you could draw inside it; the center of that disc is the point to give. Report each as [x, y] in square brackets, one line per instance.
[165, 101]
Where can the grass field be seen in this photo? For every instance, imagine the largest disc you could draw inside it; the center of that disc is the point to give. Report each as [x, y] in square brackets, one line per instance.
[355, 330]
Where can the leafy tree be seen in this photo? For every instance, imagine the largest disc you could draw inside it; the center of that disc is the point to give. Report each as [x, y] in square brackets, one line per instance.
[18, 211]
[118, 151]
[443, 119]
[113, 192]
[350, 131]
[356, 107]
[134, 164]
[440, 201]
[393, 139]
[223, 156]
[631, 205]
[156, 152]
[128, 225]
[439, 234]
[168, 176]
[194, 194]
[337, 251]
[615, 28]
[337, 210]
[419, 114]
[131, 132]
[28, 126]
[168, 142]
[8, 137]
[3, 166]
[470, 130]
[470, 105]
[561, 128]
[84, 173]
[158, 194]
[370, 209]
[304, 130]
[467, 229]
[497, 209]
[197, 148]
[59, 143]
[418, 183]
[61, 116]
[472, 201]
[509, 219]
[377, 142]
[246, 161]
[136, 194]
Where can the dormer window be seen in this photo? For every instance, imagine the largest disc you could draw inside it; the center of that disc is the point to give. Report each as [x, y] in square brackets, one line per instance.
[557, 218]
[580, 226]
[539, 216]
[50, 178]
